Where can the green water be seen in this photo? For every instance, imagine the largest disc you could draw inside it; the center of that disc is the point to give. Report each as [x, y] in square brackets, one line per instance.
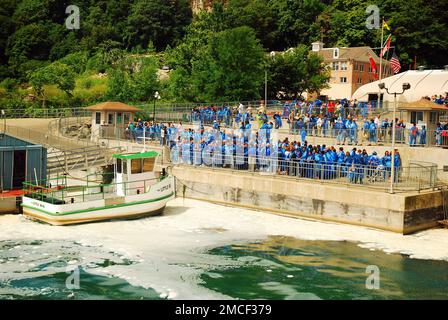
[287, 268]
[52, 287]
[276, 268]
[40, 269]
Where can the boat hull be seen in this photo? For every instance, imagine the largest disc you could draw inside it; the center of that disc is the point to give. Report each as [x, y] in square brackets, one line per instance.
[130, 207]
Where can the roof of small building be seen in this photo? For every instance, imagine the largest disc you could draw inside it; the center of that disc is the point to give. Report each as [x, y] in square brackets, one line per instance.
[113, 106]
[360, 54]
[422, 105]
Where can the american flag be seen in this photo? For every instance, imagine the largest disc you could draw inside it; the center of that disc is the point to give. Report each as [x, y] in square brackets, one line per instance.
[395, 63]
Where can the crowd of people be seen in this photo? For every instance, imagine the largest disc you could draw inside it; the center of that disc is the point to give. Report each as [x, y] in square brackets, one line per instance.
[261, 150]
[344, 120]
[336, 119]
[439, 99]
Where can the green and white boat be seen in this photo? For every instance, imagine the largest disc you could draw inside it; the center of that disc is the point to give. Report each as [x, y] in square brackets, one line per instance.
[136, 190]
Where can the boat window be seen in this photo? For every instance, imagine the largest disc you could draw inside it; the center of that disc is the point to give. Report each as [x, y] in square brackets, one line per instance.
[125, 166]
[148, 164]
[119, 166]
[136, 166]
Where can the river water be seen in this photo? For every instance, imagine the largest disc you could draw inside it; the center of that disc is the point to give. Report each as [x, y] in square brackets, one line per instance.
[199, 250]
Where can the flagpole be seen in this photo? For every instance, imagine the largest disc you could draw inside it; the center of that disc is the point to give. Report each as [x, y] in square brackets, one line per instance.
[381, 60]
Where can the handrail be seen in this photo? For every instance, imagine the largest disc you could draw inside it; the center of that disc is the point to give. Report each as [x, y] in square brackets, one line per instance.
[43, 192]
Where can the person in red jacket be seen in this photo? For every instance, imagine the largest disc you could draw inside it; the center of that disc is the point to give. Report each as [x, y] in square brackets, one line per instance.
[331, 108]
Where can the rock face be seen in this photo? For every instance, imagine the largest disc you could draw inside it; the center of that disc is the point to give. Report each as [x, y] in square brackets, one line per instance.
[200, 5]
[79, 131]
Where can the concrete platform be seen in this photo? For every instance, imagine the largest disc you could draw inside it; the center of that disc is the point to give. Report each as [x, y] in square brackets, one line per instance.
[402, 212]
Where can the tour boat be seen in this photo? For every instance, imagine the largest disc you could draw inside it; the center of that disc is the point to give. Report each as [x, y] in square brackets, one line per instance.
[133, 190]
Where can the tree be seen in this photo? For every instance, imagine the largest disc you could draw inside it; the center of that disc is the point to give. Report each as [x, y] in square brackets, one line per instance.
[159, 21]
[135, 79]
[58, 74]
[228, 67]
[296, 21]
[31, 11]
[296, 71]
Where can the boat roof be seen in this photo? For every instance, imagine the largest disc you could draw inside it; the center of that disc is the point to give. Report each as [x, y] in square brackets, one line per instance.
[139, 155]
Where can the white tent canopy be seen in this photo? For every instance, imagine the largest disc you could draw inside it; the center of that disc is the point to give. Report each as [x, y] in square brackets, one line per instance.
[423, 83]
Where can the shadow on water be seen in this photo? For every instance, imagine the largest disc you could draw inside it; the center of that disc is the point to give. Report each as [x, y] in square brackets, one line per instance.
[287, 268]
[91, 287]
[45, 270]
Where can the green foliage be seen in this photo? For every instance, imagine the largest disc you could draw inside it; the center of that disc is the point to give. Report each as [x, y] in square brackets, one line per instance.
[157, 21]
[10, 85]
[58, 74]
[228, 67]
[31, 11]
[208, 52]
[296, 71]
[95, 64]
[77, 61]
[134, 80]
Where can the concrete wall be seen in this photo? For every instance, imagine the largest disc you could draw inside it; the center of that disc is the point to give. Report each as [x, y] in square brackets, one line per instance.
[403, 213]
[7, 204]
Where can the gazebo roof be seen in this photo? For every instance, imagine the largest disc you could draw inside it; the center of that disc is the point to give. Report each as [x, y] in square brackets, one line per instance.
[113, 106]
[422, 105]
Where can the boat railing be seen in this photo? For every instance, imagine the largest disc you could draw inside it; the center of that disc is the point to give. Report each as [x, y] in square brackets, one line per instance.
[57, 191]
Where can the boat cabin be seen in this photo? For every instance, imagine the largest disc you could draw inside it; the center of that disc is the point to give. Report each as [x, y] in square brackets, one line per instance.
[134, 171]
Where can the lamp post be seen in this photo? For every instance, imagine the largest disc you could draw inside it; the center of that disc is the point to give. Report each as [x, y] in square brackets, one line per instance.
[156, 97]
[4, 121]
[406, 86]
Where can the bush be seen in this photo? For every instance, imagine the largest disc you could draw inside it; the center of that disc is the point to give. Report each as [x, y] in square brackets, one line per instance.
[86, 83]
[77, 61]
[9, 84]
[96, 64]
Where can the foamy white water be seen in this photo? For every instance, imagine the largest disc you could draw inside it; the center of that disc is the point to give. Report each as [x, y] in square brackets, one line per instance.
[169, 250]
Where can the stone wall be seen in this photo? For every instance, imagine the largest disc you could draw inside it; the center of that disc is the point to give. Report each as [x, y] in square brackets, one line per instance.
[403, 213]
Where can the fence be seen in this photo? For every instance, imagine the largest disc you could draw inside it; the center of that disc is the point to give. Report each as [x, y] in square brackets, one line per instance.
[414, 177]
[435, 138]
[45, 113]
[46, 139]
[56, 190]
[164, 109]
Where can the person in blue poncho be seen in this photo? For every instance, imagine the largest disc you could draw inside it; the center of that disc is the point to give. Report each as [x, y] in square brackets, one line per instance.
[186, 149]
[373, 162]
[277, 120]
[341, 158]
[302, 130]
[397, 165]
[372, 132]
[386, 162]
[422, 136]
[413, 134]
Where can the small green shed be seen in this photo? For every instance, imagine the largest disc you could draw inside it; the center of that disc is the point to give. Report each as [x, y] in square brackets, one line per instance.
[20, 161]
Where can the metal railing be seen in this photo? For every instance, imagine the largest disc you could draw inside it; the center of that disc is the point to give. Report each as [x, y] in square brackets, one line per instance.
[46, 139]
[78, 158]
[414, 177]
[370, 108]
[57, 191]
[45, 113]
[403, 136]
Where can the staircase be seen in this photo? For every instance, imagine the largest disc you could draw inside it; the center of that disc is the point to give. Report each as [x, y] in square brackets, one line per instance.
[65, 154]
[64, 161]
